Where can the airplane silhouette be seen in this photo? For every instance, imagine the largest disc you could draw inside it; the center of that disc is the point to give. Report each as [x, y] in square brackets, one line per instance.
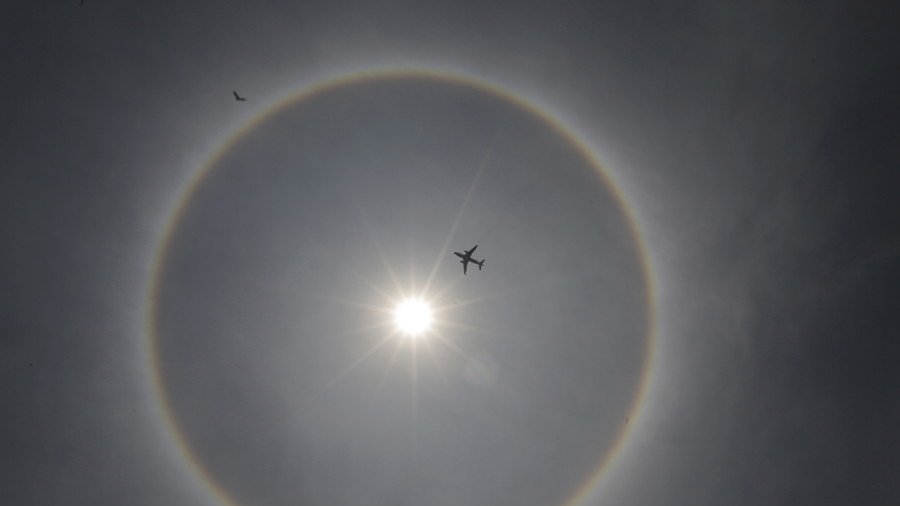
[467, 257]
[238, 97]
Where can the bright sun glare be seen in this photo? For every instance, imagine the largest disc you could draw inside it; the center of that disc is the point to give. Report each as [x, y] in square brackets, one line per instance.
[413, 317]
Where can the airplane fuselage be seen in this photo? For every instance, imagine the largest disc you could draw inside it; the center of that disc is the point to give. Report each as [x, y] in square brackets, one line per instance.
[466, 258]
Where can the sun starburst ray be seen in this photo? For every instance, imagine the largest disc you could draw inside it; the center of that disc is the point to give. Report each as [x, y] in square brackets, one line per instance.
[390, 366]
[437, 363]
[453, 346]
[362, 358]
[355, 304]
[381, 254]
[462, 209]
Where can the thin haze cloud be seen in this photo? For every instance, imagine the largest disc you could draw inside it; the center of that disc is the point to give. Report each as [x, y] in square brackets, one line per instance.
[756, 141]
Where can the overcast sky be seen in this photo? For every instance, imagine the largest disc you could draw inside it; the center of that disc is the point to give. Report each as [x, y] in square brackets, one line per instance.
[751, 158]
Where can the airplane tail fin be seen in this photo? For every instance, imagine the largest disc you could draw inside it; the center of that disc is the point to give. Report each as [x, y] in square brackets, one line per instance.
[481, 265]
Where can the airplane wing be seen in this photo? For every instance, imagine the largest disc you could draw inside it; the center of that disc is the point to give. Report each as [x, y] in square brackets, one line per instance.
[465, 267]
[469, 252]
[236, 96]
[460, 255]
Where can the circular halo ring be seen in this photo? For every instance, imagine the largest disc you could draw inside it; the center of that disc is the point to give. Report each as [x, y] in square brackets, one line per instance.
[151, 342]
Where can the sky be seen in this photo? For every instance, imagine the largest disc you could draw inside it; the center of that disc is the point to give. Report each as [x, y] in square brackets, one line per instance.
[688, 212]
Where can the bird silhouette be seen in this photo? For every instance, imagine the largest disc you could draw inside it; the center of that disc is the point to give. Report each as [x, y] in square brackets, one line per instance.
[238, 97]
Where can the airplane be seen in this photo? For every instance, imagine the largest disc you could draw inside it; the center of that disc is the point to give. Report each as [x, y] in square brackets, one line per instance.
[238, 97]
[467, 257]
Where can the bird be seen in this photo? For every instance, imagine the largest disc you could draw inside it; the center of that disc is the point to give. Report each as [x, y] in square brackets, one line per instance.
[238, 97]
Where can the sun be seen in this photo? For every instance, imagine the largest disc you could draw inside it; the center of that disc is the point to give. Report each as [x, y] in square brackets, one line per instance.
[413, 317]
